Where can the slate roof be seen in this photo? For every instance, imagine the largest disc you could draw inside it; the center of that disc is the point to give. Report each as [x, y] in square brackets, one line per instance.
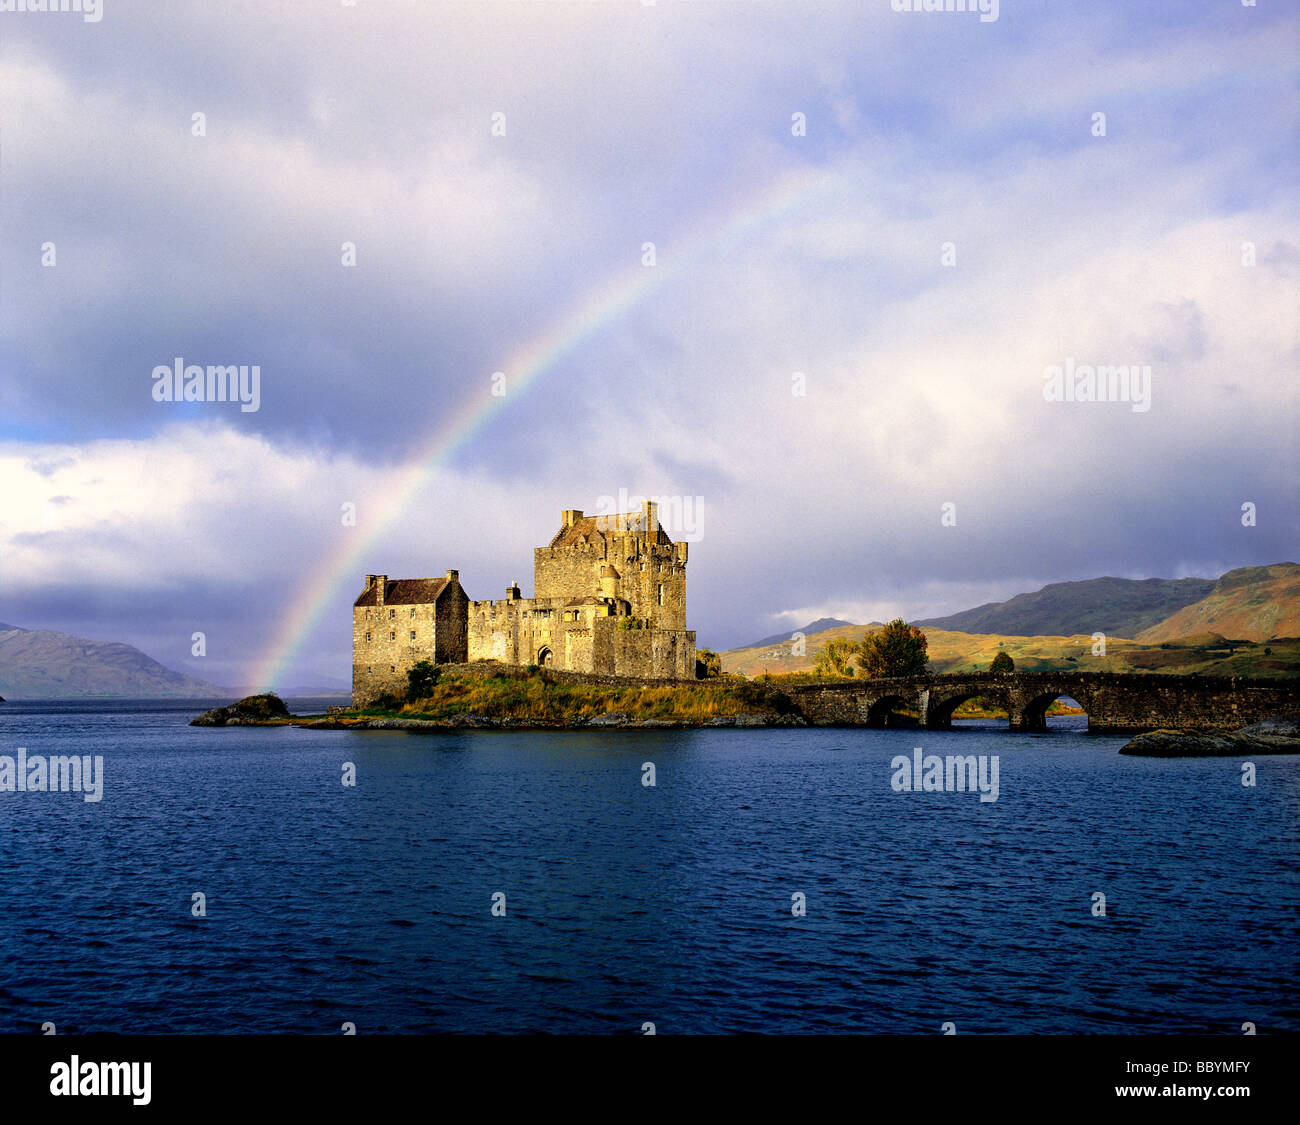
[405, 591]
[593, 526]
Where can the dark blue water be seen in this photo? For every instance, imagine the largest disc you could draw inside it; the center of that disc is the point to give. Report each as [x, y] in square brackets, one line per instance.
[627, 904]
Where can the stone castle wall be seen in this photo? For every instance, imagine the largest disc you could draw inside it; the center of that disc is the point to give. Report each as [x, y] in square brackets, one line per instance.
[579, 639]
[451, 639]
[386, 641]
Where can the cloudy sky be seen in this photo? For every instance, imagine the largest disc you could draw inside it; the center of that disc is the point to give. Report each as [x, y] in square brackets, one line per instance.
[872, 232]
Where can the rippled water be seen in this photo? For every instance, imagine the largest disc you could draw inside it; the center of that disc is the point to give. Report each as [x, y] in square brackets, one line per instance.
[627, 904]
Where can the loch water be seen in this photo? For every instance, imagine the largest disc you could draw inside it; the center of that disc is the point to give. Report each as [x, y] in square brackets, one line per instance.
[624, 903]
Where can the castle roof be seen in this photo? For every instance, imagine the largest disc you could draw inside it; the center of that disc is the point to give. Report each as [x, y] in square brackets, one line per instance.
[591, 527]
[405, 591]
[608, 571]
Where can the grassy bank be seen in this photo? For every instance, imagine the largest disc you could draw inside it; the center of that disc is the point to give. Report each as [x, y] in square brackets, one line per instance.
[544, 699]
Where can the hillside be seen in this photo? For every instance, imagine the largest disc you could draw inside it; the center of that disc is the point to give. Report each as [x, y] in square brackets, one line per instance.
[966, 652]
[1118, 607]
[1255, 603]
[818, 626]
[40, 664]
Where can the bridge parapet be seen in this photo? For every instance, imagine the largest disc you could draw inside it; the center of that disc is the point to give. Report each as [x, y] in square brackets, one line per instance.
[1116, 702]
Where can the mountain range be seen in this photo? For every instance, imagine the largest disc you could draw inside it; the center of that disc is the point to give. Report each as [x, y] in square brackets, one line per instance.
[1245, 623]
[42, 664]
[1118, 607]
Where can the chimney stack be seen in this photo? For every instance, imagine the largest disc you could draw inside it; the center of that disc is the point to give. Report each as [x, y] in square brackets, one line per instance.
[571, 516]
[380, 583]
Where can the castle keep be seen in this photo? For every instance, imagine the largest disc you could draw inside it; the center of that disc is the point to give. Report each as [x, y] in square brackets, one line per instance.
[609, 598]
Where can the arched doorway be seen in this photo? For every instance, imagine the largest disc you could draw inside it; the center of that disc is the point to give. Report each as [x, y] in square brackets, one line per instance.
[544, 657]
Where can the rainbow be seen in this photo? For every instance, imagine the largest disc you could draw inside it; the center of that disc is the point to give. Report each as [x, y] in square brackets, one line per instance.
[602, 306]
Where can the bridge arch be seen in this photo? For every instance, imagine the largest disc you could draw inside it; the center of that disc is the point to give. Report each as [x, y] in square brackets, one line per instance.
[882, 708]
[1031, 715]
[941, 706]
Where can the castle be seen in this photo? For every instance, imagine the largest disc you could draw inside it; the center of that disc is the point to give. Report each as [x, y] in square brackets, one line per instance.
[609, 598]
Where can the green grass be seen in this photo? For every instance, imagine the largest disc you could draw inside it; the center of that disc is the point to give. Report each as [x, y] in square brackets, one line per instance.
[543, 699]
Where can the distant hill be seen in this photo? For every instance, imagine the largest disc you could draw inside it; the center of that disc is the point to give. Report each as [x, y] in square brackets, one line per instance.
[818, 626]
[41, 664]
[1255, 603]
[1118, 607]
[1205, 655]
[1245, 624]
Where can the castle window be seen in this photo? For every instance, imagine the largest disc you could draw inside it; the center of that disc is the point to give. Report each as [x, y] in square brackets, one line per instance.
[661, 593]
[392, 667]
[367, 636]
[392, 613]
[412, 611]
[412, 634]
[392, 636]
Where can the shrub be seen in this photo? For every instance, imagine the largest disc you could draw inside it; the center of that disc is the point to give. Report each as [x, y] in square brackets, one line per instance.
[708, 664]
[896, 649]
[421, 679]
[1002, 662]
[835, 657]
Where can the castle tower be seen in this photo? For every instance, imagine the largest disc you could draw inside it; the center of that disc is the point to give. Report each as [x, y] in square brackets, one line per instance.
[650, 569]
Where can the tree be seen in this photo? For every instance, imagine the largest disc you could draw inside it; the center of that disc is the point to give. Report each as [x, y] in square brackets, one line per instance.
[895, 649]
[707, 664]
[1002, 663]
[834, 658]
[421, 679]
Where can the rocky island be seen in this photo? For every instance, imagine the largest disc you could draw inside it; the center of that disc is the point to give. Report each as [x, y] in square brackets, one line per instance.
[498, 697]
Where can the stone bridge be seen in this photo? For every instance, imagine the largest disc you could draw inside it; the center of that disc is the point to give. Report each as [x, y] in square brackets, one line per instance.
[1115, 702]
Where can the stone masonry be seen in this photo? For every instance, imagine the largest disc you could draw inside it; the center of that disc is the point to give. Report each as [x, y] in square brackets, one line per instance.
[609, 599]
[1115, 702]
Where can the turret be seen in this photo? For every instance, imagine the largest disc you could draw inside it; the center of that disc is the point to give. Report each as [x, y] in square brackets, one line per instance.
[609, 582]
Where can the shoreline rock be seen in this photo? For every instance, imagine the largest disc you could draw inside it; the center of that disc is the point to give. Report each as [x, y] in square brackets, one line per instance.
[614, 720]
[1278, 735]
